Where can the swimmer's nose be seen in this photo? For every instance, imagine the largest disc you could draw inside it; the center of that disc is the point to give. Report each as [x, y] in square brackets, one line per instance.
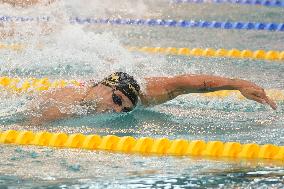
[117, 109]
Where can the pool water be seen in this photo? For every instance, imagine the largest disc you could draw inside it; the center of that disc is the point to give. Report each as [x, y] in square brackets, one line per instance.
[58, 49]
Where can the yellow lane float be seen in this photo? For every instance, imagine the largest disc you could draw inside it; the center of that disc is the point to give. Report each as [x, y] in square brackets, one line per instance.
[32, 85]
[271, 55]
[144, 145]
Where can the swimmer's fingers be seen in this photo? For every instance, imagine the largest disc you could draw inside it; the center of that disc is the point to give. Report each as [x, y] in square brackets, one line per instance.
[262, 95]
[270, 102]
[255, 98]
[259, 96]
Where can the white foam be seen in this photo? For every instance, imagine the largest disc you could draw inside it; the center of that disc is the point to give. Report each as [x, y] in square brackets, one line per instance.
[58, 49]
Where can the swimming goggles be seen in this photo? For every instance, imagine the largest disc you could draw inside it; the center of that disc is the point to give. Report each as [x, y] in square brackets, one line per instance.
[118, 101]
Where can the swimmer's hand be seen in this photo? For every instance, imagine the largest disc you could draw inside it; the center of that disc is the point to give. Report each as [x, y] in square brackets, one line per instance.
[253, 92]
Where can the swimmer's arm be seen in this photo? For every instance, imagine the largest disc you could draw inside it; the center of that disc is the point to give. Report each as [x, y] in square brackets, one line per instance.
[162, 89]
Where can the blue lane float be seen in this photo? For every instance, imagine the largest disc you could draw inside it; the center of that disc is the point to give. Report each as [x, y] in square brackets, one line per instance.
[156, 22]
[183, 23]
[268, 3]
[6, 18]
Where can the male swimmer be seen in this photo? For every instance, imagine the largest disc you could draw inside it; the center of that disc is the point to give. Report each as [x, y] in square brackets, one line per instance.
[120, 92]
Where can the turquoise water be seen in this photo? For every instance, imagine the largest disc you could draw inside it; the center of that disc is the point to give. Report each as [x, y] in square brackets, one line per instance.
[60, 50]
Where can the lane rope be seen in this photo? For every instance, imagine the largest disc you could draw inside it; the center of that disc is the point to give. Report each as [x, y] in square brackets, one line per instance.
[12, 46]
[268, 3]
[7, 18]
[270, 26]
[144, 145]
[271, 55]
[279, 27]
[31, 85]
[34, 85]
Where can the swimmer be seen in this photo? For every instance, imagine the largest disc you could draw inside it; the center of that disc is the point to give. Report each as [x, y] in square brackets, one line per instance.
[120, 92]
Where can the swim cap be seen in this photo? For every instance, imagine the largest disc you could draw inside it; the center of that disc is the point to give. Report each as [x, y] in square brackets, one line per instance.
[124, 83]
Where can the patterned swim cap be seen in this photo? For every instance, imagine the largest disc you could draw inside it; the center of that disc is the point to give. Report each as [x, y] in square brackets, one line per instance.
[125, 83]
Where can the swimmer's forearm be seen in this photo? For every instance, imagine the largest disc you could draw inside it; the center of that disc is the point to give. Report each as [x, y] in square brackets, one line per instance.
[162, 89]
[208, 83]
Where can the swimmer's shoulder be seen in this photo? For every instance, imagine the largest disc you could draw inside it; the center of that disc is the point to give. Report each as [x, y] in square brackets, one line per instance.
[75, 93]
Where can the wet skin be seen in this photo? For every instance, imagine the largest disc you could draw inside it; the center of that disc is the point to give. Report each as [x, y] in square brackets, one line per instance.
[157, 91]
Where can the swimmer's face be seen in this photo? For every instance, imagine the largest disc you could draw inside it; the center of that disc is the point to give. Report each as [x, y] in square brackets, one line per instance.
[111, 100]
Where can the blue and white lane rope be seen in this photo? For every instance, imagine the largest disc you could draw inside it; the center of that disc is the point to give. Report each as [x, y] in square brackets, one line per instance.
[183, 23]
[269, 3]
[6, 18]
[269, 26]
